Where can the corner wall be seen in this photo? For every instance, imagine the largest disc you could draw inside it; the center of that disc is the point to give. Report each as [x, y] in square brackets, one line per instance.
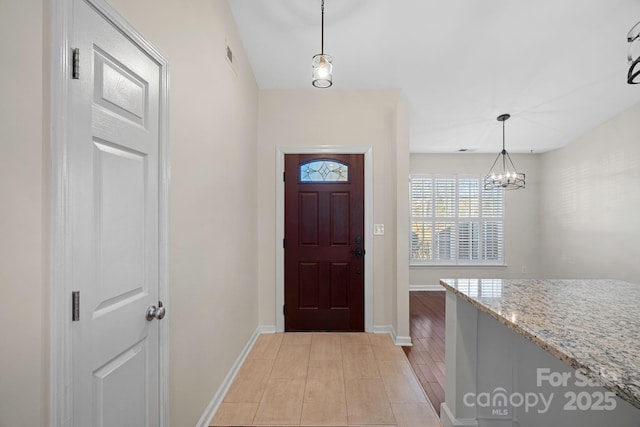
[591, 203]
[23, 216]
[402, 224]
[521, 221]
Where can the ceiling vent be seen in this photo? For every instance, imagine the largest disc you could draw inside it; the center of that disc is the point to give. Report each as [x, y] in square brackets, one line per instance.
[231, 59]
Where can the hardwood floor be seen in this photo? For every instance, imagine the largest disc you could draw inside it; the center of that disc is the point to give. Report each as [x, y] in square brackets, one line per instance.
[427, 332]
[322, 379]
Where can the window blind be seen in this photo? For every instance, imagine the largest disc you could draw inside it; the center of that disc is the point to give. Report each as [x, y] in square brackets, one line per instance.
[455, 221]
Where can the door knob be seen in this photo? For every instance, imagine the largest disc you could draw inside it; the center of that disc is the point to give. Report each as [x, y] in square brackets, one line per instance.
[154, 312]
[161, 311]
[358, 252]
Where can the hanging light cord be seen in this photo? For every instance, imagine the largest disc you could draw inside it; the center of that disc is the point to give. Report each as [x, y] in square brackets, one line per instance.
[504, 150]
[322, 30]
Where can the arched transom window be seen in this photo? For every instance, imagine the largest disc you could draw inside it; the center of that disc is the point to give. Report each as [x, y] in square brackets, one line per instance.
[324, 171]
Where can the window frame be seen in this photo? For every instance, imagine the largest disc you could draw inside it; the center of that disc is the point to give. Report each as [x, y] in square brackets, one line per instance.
[335, 172]
[432, 219]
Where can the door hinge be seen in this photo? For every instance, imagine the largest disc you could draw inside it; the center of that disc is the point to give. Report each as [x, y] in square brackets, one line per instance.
[284, 310]
[75, 306]
[283, 243]
[75, 69]
[283, 176]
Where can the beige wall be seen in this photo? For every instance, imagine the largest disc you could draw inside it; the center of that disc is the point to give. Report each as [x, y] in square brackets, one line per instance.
[309, 117]
[213, 287]
[23, 304]
[213, 283]
[402, 221]
[521, 223]
[591, 203]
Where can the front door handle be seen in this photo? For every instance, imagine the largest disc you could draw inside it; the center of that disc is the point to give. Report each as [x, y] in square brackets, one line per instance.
[358, 252]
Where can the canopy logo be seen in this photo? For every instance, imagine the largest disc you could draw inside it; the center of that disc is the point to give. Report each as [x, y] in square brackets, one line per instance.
[501, 402]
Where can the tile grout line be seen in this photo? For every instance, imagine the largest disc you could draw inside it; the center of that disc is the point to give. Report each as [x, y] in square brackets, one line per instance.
[265, 386]
[306, 379]
[385, 387]
[344, 380]
[261, 396]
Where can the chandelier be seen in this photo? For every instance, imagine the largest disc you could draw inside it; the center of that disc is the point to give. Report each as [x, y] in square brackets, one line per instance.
[503, 173]
[633, 55]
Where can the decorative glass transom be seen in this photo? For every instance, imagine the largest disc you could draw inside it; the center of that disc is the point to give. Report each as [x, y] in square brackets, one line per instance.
[324, 171]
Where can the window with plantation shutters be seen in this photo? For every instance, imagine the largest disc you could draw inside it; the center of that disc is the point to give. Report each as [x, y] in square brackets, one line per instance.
[455, 221]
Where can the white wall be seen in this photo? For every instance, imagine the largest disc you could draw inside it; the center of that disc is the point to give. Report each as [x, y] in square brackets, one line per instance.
[521, 223]
[23, 217]
[213, 283]
[335, 117]
[591, 203]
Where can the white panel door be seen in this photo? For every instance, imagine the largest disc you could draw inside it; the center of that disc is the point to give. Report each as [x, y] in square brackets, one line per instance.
[113, 224]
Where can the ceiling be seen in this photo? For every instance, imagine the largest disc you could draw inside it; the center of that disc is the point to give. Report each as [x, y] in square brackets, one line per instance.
[557, 66]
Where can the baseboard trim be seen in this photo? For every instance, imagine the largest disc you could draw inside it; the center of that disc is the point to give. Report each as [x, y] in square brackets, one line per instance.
[212, 408]
[426, 288]
[404, 341]
[397, 340]
[448, 420]
[385, 329]
[267, 329]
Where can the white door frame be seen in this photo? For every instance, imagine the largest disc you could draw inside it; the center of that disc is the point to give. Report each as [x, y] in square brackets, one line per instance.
[60, 261]
[367, 150]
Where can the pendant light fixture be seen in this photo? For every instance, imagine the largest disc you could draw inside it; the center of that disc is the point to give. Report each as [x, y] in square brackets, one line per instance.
[633, 55]
[321, 63]
[504, 176]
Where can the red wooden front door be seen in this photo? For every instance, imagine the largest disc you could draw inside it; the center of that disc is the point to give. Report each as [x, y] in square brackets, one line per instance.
[324, 242]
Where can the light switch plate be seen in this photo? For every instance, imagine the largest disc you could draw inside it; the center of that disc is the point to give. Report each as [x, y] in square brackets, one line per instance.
[378, 229]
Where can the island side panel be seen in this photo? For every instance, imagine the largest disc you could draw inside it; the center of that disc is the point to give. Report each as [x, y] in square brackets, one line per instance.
[460, 361]
[497, 378]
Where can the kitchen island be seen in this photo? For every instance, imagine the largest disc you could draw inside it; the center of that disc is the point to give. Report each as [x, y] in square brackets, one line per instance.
[535, 353]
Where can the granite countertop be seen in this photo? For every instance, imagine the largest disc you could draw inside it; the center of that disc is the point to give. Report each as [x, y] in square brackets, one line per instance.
[592, 325]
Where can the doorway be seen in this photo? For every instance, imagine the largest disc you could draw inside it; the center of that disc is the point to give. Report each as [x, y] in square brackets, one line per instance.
[324, 241]
[367, 152]
[109, 221]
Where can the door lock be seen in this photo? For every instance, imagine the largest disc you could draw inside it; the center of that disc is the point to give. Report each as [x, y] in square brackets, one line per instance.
[154, 312]
[359, 252]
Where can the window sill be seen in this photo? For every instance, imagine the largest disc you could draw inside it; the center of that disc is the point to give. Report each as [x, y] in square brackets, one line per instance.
[459, 265]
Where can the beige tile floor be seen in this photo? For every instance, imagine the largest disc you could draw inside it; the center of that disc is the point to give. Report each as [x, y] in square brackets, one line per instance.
[326, 379]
